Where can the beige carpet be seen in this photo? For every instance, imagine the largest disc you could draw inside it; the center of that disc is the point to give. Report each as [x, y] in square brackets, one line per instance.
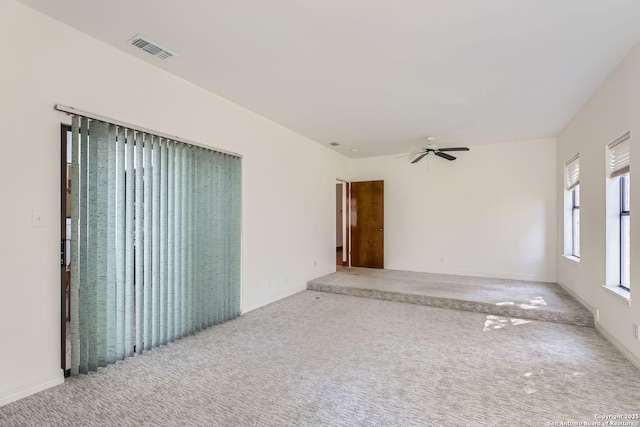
[319, 359]
[502, 297]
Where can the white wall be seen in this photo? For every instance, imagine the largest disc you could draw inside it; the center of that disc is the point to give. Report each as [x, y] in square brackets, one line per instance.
[613, 110]
[491, 212]
[44, 63]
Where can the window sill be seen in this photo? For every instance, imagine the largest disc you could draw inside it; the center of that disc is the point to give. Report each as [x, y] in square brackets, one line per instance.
[619, 293]
[571, 259]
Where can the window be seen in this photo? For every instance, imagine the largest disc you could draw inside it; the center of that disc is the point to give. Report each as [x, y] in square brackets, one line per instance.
[618, 214]
[575, 222]
[625, 232]
[572, 207]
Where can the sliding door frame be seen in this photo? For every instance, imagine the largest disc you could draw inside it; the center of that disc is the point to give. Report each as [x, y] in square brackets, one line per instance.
[63, 234]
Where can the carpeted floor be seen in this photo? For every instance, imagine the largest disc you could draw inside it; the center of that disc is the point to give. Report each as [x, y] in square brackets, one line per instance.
[502, 297]
[320, 359]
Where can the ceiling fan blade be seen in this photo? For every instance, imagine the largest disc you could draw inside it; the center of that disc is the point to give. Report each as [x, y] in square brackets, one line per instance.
[409, 154]
[420, 157]
[444, 155]
[454, 149]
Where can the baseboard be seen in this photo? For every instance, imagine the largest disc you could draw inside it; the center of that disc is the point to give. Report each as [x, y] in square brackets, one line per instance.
[601, 329]
[32, 386]
[484, 274]
[323, 273]
[577, 298]
[618, 345]
[288, 292]
[278, 297]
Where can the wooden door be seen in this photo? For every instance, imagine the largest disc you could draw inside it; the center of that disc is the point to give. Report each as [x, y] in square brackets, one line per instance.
[367, 224]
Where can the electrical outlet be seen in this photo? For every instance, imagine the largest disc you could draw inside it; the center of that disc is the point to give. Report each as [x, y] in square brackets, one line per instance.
[597, 314]
[441, 260]
[635, 331]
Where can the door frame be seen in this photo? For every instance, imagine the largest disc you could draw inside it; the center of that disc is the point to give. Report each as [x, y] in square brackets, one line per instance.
[64, 129]
[346, 220]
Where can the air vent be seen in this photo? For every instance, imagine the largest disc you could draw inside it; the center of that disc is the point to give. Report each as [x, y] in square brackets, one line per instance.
[149, 47]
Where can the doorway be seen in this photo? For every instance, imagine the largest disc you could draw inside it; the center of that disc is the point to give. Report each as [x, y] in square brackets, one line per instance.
[342, 224]
[367, 224]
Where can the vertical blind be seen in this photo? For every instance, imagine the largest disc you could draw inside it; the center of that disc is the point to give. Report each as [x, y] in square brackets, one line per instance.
[572, 172]
[155, 242]
[619, 156]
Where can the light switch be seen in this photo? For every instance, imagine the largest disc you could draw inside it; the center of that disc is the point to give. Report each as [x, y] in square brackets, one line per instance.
[38, 218]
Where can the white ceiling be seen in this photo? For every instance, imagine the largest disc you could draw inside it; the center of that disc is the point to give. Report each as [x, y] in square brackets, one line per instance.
[378, 75]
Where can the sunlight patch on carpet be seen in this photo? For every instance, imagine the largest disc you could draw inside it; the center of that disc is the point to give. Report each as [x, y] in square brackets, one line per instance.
[496, 322]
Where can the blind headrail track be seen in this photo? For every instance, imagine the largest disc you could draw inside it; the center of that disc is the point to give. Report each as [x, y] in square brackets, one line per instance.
[71, 110]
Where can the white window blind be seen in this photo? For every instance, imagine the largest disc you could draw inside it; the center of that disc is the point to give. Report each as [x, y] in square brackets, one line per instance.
[619, 156]
[572, 172]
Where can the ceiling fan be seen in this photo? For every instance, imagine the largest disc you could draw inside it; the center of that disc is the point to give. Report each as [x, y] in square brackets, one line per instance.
[433, 148]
